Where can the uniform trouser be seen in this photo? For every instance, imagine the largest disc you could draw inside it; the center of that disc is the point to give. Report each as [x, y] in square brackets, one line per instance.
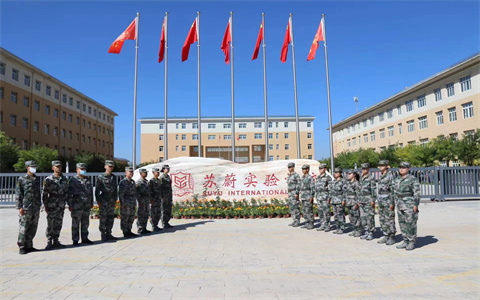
[339, 215]
[387, 218]
[54, 221]
[143, 213]
[28, 228]
[166, 208]
[127, 215]
[354, 217]
[107, 216]
[324, 212]
[367, 216]
[155, 212]
[294, 206]
[80, 223]
[307, 210]
[407, 219]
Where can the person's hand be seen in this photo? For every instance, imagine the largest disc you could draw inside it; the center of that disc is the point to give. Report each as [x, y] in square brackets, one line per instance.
[392, 207]
[70, 208]
[329, 200]
[21, 212]
[46, 210]
[343, 203]
[311, 200]
[373, 204]
[356, 206]
[415, 209]
[296, 197]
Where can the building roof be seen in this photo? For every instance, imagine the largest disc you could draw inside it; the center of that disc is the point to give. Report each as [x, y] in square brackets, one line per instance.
[228, 118]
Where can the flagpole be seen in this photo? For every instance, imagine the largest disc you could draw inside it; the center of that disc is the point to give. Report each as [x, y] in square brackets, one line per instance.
[165, 126]
[231, 76]
[328, 97]
[135, 95]
[295, 89]
[198, 88]
[265, 88]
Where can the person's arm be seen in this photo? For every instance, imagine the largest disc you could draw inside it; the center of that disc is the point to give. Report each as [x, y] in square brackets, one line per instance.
[19, 192]
[391, 186]
[98, 191]
[70, 193]
[121, 192]
[115, 191]
[312, 189]
[297, 186]
[416, 194]
[46, 193]
[89, 192]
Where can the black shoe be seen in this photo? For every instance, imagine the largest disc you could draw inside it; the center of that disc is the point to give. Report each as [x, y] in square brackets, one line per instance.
[22, 251]
[57, 244]
[31, 249]
[49, 245]
[167, 225]
[87, 241]
[156, 229]
[104, 237]
[145, 231]
[110, 237]
[132, 234]
[126, 234]
[75, 243]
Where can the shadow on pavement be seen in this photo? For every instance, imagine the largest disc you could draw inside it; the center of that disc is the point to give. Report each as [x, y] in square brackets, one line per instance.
[425, 240]
[185, 226]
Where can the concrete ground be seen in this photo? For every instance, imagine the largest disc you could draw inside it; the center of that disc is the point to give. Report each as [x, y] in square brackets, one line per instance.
[244, 259]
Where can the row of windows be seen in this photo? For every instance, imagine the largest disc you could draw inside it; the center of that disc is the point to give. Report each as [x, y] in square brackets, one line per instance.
[229, 125]
[257, 136]
[63, 149]
[287, 157]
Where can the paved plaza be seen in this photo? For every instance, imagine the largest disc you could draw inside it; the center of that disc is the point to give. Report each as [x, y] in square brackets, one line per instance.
[245, 259]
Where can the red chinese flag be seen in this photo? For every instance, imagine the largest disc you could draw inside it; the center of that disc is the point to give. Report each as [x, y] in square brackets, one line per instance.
[191, 38]
[259, 41]
[288, 39]
[227, 38]
[161, 52]
[128, 34]
[318, 37]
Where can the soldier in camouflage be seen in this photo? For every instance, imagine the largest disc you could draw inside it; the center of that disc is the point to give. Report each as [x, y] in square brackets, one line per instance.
[321, 193]
[28, 203]
[80, 202]
[406, 193]
[156, 200]
[386, 204]
[336, 197]
[167, 196]
[106, 196]
[127, 193]
[352, 193]
[367, 202]
[293, 182]
[55, 196]
[307, 192]
[143, 198]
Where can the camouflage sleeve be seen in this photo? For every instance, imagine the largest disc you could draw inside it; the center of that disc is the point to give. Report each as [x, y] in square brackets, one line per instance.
[312, 186]
[46, 191]
[344, 190]
[90, 193]
[391, 182]
[98, 190]
[19, 194]
[374, 188]
[121, 192]
[115, 190]
[393, 190]
[416, 192]
[71, 191]
[297, 187]
[357, 191]
[150, 187]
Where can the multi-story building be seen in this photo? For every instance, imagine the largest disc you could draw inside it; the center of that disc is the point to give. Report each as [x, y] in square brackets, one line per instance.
[217, 138]
[40, 110]
[447, 103]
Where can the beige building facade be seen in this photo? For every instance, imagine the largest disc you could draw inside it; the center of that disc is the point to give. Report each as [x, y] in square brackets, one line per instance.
[447, 103]
[217, 134]
[40, 110]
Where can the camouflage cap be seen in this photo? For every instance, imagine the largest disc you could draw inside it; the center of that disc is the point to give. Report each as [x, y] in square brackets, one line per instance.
[142, 170]
[30, 163]
[338, 170]
[81, 166]
[109, 163]
[322, 165]
[56, 163]
[404, 164]
[165, 167]
[305, 167]
[291, 165]
[155, 169]
[383, 162]
[351, 171]
[365, 166]
[129, 169]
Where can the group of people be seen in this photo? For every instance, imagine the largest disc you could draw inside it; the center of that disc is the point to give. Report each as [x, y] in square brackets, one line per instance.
[356, 196]
[154, 198]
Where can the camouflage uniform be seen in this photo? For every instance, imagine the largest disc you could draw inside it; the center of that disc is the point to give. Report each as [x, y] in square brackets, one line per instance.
[351, 200]
[127, 193]
[154, 185]
[336, 193]
[106, 196]
[384, 200]
[293, 182]
[143, 198]
[167, 197]
[307, 192]
[80, 200]
[322, 185]
[367, 212]
[27, 196]
[55, 196]
[407, 195]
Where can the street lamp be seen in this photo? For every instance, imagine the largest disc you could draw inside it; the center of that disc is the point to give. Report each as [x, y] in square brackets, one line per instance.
[355, 99]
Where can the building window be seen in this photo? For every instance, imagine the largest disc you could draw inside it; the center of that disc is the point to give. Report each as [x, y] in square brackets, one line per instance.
[25, 123]
[64, 98]
[270, 135]
[26, 102]
[36, 105]
[287, 147]
[211, 137]
[285, 124]
[184, 125]
[276, 124]
[57, 94]
[242, 137]
[354, 141]
[450, 89]
[47, 109]
[365, 138]
[227, 137]
[13, 120]
[176, 148]
[70, 118]
[270, 158]
[421, 102]
[309, 124]
[27, 80]
[422, 122]
[14, 97]
[270, 125]
[372, 121]
[89, 110]
[364, 123]
[467, 110]
[176, 137]
[258, 136]
[372, 136]
[70, 101]
[47, 129]
[194, 137]
[439, 117]
[70, 135]
[184, 137]
[277, 147]
[55, 112]
[212, 126]
[390, 131]
[411, 126]
[423, 141]
[465, 83]
[25, 145]
[257, 148]
[195, 125]
[309, 146]
[84, 106]
[348, 143]
[160, 148]
[2, 68]
[382, 133]
[64, 115]
[409, 105]
[15, 74]
[390, 113]
[400, 128]
[160, 137]
[160, 126]
[2, 91]
[177, 125]
[348, 129]
[89, 125]
[399, 109]
[286, 135]
[227, 125]
[309, 135]
[270, 147]
[438, 94]
[38, 85]
[63, 133]
[78, 120]
[257, 125]
[454, 136]
[78, 104]
[276, 135]
[452, 114]
[242, 125]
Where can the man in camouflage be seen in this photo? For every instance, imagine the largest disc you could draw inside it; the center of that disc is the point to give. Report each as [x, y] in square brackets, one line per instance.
[106, 196]
[293, 182]
[167, 196]
[28, 203]
[352, 193]
[336, 197]
[367, 202]
[143, 198]
[156, 200]
[55, 196]
[407, 198]
[80, 202]
[127, 193]
[321, 193]
[386, 204]
[307, 192]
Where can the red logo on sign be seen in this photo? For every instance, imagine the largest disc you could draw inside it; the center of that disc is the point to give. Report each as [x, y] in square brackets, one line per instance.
[183, 182]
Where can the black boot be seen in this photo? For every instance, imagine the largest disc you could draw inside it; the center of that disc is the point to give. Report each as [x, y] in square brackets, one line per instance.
[132, 234]
[110, 237]
[104, 237]
[57, 244]
[22, 251]
[75, 243]
[167, 225]
[49, 245]
[31, 249]
[86, 241]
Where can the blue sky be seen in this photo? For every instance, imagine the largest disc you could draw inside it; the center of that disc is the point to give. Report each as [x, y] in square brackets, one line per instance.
[375, 48]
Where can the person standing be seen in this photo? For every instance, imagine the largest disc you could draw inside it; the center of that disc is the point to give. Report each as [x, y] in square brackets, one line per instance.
[143, 198]
[127, 193]
[156, 200]
[407, 198]
[386, 204]
[367, 202]
[352, 193]
[307, 192]
[80, 202]
[28, 203]
[336, 197]
[293, 182]
[106, 196]
[322, 185]
[167, 196]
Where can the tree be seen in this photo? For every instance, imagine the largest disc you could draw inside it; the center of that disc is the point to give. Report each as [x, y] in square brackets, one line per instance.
[42, 155]
[468, 148]
[389, 154]
[8, 153]
[444, 149]
[367, 156]
[94, 162]
[146, 163]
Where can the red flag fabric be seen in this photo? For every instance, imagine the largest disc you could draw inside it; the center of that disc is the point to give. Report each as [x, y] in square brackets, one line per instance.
[318, 37]
[161, 52]
[128, 34]
[259, 41]
[191, 38]
[288, 39]
[227, 38]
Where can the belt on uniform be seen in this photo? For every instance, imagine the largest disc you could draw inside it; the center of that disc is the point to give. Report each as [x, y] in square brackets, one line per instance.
[351, 194]
[384, 193]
